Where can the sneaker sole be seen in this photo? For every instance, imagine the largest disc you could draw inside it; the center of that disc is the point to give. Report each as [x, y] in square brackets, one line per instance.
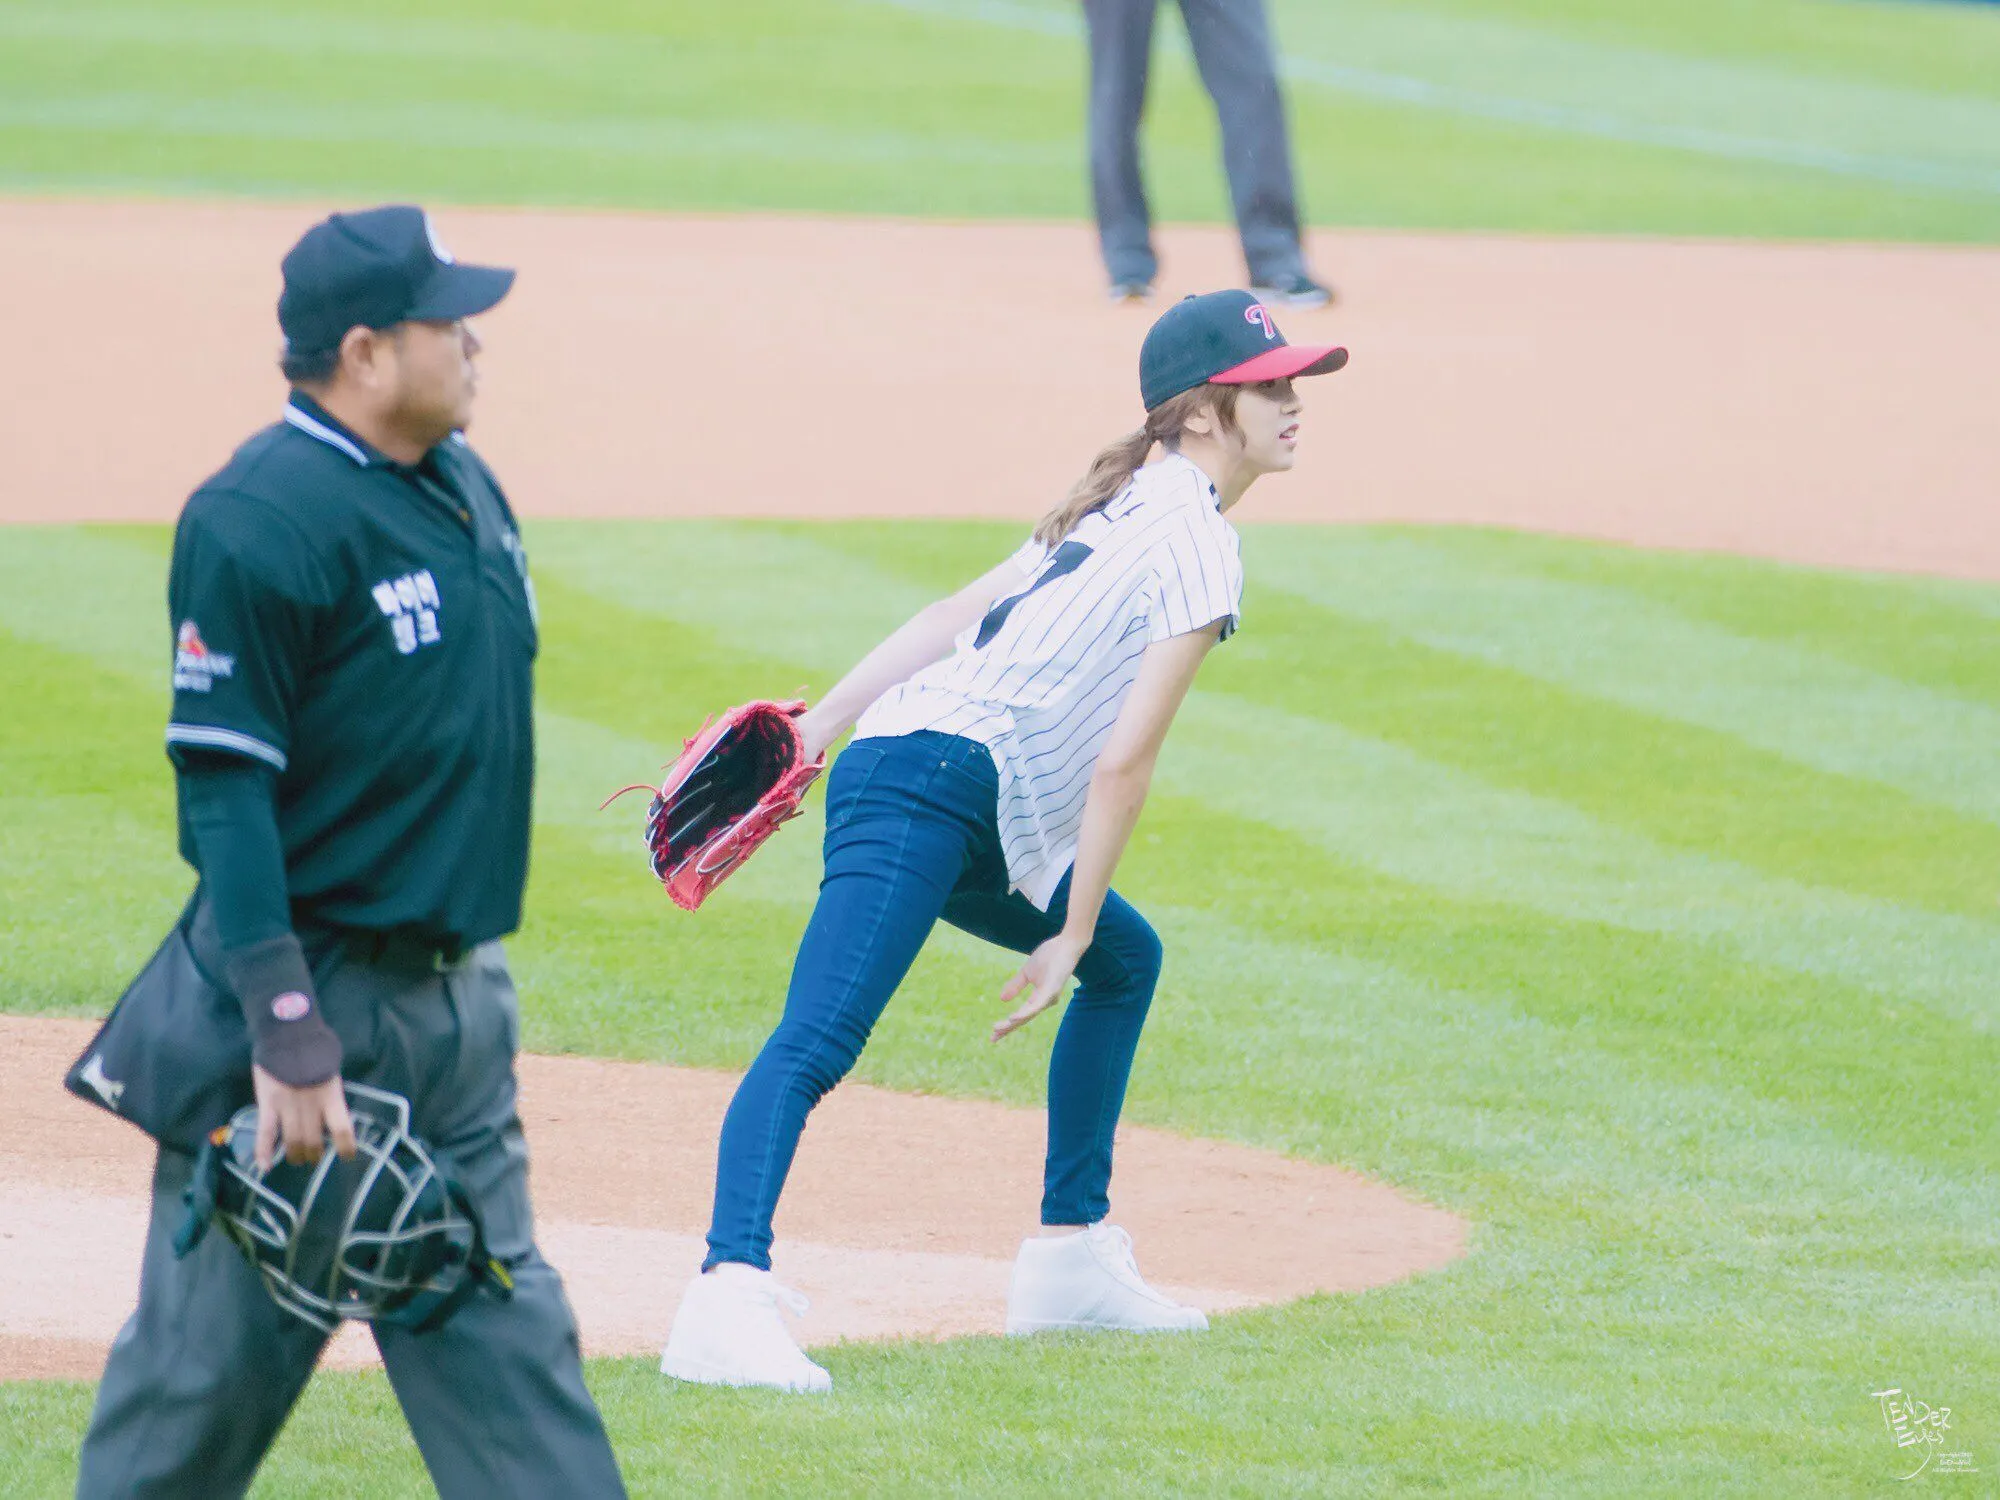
[1023, 1327]
[1286, 299]
[695, 1372]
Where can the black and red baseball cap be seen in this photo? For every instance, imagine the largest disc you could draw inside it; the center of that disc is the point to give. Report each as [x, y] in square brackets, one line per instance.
[1227, 338]
[374, 269]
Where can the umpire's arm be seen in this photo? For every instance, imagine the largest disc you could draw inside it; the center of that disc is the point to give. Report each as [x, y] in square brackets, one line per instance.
[242, 598]
[229, 811]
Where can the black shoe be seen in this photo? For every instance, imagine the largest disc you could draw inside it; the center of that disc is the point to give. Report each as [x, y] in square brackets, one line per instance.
[1136, 289]
[1297, 291]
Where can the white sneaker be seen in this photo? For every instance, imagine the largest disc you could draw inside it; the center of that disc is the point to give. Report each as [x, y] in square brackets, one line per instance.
[1089, 1280]
[729, 1331]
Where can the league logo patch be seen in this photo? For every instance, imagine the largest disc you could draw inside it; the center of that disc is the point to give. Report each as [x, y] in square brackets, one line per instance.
[291, 1006]
[195, 666]
[411, 605]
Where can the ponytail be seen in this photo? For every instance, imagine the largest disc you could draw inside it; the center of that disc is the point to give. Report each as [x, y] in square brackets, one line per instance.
[1115, 465]
[1109, 473]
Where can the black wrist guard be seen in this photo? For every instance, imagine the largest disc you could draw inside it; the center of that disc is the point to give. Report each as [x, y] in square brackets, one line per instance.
[289, 1038]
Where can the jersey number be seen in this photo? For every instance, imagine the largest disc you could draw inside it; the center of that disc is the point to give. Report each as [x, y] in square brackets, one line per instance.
[1064, 561]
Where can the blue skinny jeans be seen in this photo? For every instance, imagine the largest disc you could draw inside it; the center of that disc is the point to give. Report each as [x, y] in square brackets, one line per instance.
[911, 837]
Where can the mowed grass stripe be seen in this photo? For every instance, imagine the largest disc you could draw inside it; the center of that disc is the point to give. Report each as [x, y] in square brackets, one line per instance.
[1555, 1143]
[1488, 69]
[1422, 822]
[89, 878]
[1679, 783]
[1938, 633]
[1617, 645]
[494, 129]
[97, 595]
[670, 65]
[1516, 118]
[1827, 1056]
[771, 592]
[649, 674]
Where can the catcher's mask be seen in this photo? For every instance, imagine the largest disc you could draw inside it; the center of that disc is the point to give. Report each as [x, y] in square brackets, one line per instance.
[387, 1236]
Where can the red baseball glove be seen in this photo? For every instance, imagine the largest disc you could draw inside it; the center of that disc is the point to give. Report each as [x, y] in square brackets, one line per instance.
[734, 783]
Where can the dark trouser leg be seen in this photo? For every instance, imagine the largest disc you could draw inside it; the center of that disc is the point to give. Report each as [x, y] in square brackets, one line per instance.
[202, 1375]
[496, 1397]
[900, 825]
[1094, 1048]
[1121, 45]
[1233, 50]
[205, 1371]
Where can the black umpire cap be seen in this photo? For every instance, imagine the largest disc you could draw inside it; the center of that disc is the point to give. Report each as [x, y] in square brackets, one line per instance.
[373, 269]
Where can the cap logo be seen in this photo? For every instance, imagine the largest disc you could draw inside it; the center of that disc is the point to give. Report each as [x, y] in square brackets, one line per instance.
[437, 245]
[1257, 313]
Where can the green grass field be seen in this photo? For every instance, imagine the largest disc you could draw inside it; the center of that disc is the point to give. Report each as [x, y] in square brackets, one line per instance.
[1639, 907]
[1811, 118]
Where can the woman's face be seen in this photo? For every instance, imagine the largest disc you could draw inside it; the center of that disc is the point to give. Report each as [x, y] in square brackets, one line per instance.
[1267, 423]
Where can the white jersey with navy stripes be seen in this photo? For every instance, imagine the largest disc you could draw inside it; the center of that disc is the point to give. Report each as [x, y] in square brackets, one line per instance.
[1040, 679]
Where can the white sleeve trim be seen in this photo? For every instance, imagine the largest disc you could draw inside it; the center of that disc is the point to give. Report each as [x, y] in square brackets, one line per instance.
[210, 738]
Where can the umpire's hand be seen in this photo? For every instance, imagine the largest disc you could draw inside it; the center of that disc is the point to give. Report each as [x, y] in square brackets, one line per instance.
[302, 1117]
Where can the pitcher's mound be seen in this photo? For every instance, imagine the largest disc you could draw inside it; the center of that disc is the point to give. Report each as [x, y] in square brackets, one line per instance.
[900, 1219]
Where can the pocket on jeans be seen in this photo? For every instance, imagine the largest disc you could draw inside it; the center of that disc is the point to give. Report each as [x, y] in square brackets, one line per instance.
[980, 772]
[853, 770]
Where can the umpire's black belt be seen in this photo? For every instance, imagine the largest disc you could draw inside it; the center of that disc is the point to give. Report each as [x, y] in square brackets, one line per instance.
[405, 951]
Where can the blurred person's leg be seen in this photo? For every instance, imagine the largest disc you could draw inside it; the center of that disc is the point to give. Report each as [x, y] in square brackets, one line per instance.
[1234, 52]
[1121, 46]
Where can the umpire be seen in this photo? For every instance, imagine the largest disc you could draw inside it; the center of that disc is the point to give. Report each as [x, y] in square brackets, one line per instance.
[354, 638]
[1234, 54]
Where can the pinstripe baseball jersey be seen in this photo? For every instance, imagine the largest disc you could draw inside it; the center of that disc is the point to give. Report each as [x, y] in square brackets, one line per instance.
[1040, 679]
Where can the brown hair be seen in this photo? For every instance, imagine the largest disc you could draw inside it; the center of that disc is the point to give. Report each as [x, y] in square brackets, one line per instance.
[1114, 467]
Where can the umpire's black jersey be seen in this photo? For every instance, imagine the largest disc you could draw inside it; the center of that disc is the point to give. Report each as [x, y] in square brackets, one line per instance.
[367, 630]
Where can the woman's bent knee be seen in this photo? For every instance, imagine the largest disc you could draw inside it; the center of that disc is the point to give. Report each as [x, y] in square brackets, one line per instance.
[1125, 959]
[805, 1061]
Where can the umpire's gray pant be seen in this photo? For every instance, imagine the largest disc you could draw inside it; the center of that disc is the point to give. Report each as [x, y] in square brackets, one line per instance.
[203, 1374]
[1233, 51]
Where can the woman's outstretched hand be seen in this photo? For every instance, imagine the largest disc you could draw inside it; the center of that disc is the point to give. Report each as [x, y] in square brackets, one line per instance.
[1043, 976]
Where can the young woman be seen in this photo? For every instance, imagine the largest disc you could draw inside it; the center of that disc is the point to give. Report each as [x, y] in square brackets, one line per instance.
[1005, 743]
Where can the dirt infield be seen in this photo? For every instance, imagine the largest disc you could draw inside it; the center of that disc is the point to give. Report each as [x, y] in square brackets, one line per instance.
[1830, 404]
[901, 1217]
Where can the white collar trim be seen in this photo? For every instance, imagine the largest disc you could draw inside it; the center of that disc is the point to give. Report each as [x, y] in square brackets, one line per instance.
[315, 428]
